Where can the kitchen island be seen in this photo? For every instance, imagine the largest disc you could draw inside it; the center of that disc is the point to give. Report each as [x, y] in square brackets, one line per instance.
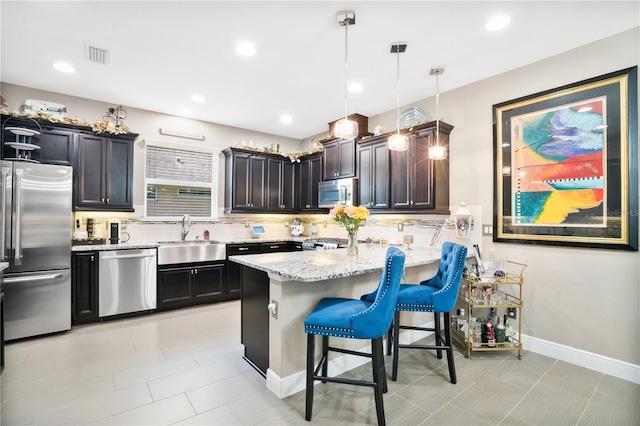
[293, 283]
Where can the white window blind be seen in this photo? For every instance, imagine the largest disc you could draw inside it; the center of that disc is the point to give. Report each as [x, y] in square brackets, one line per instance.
[180, 180]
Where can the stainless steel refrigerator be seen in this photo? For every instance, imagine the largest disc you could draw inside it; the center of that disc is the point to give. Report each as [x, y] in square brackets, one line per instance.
[35, 238]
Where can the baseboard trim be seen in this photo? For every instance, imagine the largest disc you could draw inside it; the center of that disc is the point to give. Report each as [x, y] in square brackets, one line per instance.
[283, 387]
[611, 366]
[296, 382]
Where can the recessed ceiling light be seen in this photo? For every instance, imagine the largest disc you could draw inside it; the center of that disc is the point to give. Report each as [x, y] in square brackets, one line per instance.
[246, 49]
[64, 67]
[497, 23]
[355, 87]
[286, 119]
[198, 98]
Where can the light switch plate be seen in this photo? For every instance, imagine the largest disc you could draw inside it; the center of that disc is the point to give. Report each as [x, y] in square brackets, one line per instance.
[487, 229]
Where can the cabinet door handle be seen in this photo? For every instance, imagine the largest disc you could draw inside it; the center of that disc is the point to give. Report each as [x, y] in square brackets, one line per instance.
[196, 271]
[92, 258]
[243, 248]
[107, 201]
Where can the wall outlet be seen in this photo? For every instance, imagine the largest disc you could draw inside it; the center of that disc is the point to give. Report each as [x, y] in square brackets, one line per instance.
[400, 226]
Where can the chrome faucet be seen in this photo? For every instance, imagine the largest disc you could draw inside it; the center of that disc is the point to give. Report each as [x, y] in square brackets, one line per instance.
[186, 223]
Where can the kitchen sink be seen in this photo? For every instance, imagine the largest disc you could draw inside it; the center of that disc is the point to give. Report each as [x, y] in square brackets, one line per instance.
[172, 252]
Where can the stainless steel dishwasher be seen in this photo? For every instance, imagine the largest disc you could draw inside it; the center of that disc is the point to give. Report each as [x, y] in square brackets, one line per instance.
[126, 281]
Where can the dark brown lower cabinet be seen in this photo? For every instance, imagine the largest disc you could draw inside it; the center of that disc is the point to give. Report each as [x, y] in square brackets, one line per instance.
[84, 285]
[255, 318]
[191, 284]
[254, 287]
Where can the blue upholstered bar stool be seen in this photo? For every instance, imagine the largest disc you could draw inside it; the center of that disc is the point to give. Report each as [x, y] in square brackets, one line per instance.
[355, 319]
[438, 295]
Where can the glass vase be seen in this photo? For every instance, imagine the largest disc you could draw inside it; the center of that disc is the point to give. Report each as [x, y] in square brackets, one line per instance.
[352, 244]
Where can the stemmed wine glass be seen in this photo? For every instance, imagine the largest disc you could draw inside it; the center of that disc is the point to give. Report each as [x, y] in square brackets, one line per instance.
[407, 239]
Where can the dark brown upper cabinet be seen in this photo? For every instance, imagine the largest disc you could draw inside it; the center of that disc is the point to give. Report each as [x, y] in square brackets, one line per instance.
[103, 178]
[373, 173]
[308, 176]
[417, 182]
[339, 159]
[280, 185]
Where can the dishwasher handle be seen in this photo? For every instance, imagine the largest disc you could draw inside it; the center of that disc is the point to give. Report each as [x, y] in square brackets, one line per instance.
[109, 256]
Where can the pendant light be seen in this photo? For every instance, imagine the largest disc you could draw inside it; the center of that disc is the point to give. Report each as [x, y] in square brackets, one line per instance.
[437, 152]
[398, 142]
[345, 128]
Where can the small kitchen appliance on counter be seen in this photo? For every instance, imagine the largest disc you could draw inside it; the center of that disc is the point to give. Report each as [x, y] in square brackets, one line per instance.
[257, 231]
[114, 231]
[296, 230]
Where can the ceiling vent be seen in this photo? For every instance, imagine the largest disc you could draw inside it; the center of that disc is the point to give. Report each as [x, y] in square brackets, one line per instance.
[96, 55]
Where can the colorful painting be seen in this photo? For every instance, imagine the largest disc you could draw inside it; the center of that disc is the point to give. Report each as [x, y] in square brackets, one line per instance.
[566, 169]
[559, 165]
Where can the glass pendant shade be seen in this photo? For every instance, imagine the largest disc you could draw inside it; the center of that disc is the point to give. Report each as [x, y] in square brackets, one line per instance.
[437, 152]
[345, 129]
[398, 142]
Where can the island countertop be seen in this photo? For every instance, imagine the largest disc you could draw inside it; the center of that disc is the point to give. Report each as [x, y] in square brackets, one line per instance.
[320, 265]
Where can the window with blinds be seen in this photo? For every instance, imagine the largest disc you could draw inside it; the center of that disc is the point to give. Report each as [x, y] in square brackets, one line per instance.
[180, 180]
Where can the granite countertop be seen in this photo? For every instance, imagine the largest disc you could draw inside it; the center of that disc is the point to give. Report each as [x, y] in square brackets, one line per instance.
[320, 265]
[126, 246]
[257, 240]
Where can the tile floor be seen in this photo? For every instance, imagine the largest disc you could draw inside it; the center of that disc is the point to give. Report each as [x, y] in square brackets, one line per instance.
[185, 368]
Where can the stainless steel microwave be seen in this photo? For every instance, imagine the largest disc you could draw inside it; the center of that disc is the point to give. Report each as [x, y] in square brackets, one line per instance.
[342, 192]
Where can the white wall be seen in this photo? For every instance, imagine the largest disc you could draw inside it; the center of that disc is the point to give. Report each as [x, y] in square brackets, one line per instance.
[583, 298]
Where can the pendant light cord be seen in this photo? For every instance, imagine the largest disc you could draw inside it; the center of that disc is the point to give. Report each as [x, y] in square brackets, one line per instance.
[398, 89]
[437, 109]
[346, 66]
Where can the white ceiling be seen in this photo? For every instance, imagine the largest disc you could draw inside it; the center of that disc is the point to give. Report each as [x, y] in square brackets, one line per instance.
[162, 52]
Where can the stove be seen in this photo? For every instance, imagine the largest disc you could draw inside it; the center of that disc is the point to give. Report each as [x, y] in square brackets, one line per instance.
[324, 243]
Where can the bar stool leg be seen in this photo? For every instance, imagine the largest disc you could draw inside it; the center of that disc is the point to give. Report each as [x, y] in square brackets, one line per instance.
[438, 331]
[447, 335]
[376, 359]
[396, 342]
[310, 369]
[325, 357]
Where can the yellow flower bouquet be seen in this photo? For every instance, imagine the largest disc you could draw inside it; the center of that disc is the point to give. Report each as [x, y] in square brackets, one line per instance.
[351, 217]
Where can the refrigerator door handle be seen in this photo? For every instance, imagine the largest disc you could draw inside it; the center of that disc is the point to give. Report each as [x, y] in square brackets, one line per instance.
[12, 280]
[17, 249]
[3, 213]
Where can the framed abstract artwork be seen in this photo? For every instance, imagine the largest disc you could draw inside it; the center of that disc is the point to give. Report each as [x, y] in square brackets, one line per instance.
[566, 165]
